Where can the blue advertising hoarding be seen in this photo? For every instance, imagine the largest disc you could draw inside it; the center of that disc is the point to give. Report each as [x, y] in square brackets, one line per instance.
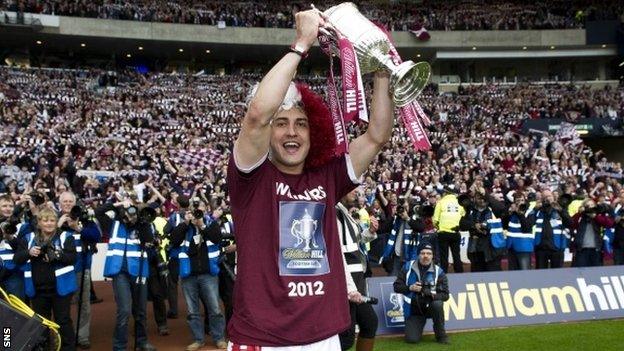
[496, 299]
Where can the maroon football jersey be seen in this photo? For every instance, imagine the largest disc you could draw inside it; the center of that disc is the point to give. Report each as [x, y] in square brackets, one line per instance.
[290, 287]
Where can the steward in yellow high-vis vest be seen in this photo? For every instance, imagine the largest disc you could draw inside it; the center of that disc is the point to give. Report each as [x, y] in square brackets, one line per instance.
[446, 216]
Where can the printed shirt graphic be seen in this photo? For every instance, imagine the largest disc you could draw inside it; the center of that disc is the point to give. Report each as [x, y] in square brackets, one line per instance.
[302, 245]
[287, 240]
[392, 306]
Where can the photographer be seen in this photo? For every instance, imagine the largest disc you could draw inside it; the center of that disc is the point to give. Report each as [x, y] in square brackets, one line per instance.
[158, 270]
[352, 237]
[11, 277]
[424, 213]
[483, 226]
[86, 235]
[48, 256]
[519, 234]
[182, 203]
[587, 226]
[425, 288]
[618, 240]
[28, 206]
[227, 274]
[550, 223]
[401, 245]
[198, 247]
[126, 257]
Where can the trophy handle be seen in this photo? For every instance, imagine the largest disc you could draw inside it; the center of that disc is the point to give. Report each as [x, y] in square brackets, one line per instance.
[327, 29]
[326, 32]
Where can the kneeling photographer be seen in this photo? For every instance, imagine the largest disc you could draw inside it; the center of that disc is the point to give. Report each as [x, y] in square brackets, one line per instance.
[126, 263]
[48, 256]
[587, 226]
[425, 288]
[198, 245]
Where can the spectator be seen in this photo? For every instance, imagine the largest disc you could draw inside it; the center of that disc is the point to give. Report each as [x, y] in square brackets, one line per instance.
[397, 15]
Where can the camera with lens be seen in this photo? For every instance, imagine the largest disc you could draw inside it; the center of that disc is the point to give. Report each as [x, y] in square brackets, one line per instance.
[227, 232]
[195, 205]
[8, 228]
[400, 209]
[590, 211]
[37, 198]
[196, 202]
[161, 266]
[50, 252]
[427, 289]
[129, 212]
[197, 213]
[602, 209]
[81, 215]
[146, 215]
[227, 260]
[465, 201]
[78, 213]
[523, 207]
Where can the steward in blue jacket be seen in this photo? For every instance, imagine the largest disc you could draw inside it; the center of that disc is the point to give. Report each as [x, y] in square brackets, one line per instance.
[47, 257]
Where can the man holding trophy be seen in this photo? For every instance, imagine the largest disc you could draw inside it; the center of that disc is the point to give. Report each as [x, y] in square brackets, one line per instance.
[285, 178]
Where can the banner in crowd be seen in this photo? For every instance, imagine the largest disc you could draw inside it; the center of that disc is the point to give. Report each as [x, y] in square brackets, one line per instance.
[587, 127]
[497, 299]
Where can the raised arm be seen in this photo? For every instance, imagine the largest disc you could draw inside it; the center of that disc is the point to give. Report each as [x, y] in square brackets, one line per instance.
[253, 141]
[364, 148]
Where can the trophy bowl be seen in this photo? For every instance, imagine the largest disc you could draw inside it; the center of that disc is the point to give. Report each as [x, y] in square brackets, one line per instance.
[372, 48]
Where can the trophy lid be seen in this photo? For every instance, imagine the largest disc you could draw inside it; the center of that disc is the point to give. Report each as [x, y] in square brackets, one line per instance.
[338, 7]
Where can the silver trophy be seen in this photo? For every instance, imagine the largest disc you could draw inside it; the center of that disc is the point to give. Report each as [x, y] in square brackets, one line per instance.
[372, 48]
[303, 230]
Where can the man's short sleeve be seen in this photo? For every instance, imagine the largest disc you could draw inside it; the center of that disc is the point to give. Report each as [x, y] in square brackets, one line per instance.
[342, 169]
[242, 183]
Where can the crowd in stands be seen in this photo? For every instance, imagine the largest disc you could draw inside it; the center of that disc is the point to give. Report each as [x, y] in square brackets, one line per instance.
[395, 15]
[61, 128]
[158, 134]
[123, 140]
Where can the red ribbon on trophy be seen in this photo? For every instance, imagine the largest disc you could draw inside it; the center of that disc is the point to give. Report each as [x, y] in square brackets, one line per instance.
[412, 114]
[354, 101]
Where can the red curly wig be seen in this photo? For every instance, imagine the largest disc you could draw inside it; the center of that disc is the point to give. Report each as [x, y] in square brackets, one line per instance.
[322, 137]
